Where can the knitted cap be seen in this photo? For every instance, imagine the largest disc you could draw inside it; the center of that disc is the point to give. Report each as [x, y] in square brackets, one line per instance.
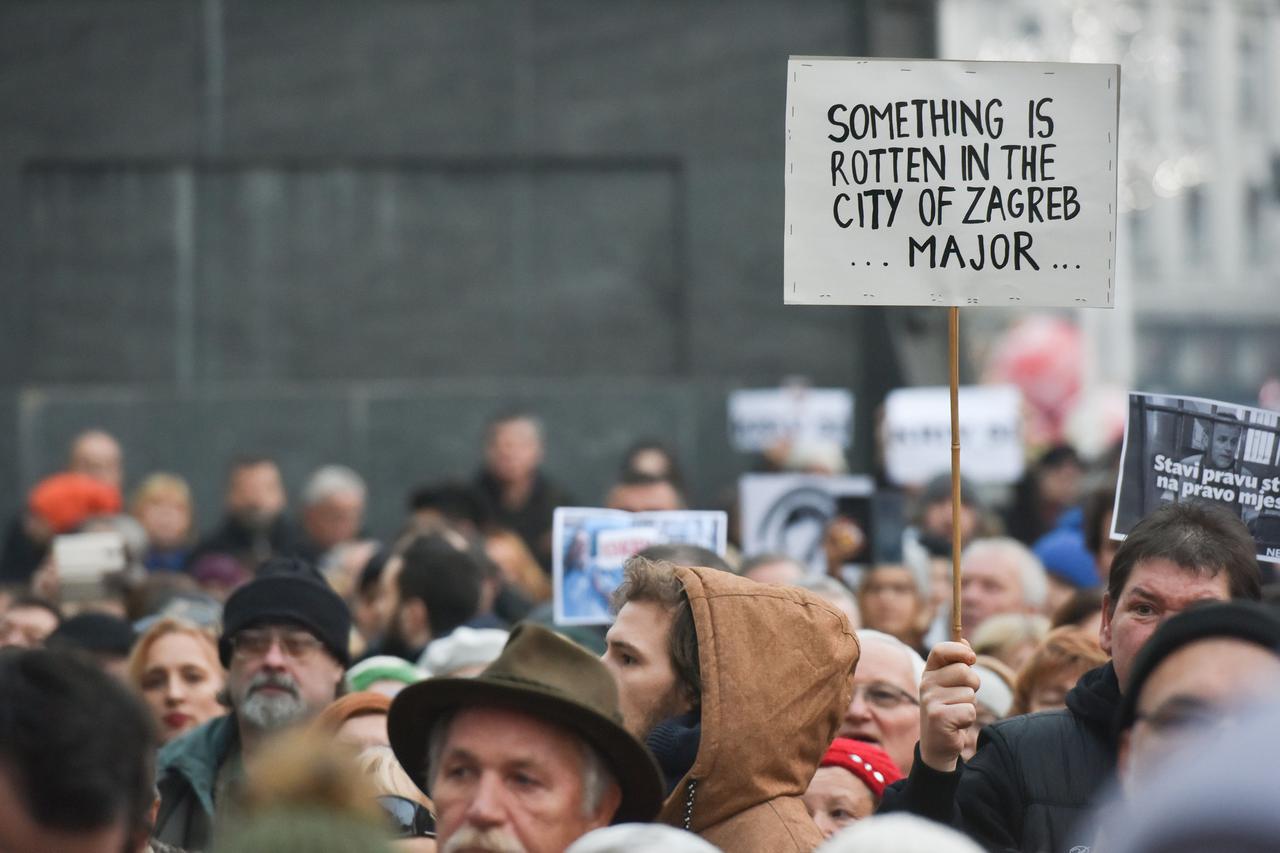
[288, 589]
[1236, 620]
[1065, 555]
[867, 761]
[382, 668]
[94, 632]
[463, 648]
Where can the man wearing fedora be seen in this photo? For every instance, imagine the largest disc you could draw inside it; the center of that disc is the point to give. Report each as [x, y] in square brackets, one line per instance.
[530, 754]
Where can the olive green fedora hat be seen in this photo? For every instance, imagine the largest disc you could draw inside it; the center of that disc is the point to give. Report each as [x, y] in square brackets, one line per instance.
[542, 674]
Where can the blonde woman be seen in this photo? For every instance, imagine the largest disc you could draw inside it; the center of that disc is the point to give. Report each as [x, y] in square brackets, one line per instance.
[175, 666]
[162, 505]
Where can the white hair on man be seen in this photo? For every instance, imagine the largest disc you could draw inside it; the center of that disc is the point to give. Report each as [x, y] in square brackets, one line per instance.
[869, 635]
[332, 480]
[897, 833]
[1031, 573]
[827, 587]
[640, 838]
[596, 776]
[834, 592]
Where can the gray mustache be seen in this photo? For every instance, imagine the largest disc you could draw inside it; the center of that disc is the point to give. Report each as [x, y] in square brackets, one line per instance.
[281, 682]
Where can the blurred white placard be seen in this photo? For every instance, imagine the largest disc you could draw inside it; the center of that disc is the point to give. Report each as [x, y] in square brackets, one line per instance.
[761, 418]
[913, 182]
[918, 434]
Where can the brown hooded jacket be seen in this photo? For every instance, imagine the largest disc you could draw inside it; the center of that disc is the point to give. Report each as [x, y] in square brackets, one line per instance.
[776, 665]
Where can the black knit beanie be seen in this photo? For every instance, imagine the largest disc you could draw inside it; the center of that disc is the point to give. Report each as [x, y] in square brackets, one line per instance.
[1236, 620]
[94, 632]
[288, 589]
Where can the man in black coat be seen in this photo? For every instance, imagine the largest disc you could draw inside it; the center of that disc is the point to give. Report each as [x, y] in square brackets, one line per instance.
[1034, 777]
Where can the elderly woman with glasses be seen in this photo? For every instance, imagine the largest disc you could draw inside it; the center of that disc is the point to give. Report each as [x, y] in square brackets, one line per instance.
[885, 708]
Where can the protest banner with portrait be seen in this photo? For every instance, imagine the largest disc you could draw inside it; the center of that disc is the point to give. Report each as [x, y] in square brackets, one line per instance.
[914, 182]
[590, 546]
[1193, 449]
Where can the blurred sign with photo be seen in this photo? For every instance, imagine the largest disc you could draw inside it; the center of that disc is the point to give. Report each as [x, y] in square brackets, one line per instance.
[590, 546]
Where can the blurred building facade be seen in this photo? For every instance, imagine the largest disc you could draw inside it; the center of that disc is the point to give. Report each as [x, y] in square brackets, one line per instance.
[1197, 309]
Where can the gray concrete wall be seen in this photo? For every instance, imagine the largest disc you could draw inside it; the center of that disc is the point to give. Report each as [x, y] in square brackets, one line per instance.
[336, 231]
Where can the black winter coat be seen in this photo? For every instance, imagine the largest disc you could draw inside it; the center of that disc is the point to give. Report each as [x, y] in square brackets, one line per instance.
[1034, 778]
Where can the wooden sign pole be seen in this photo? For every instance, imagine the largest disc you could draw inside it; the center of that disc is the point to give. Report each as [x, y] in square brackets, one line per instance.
[954, 338]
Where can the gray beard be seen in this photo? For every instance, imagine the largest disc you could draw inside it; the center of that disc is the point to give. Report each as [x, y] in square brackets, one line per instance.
[268, 712]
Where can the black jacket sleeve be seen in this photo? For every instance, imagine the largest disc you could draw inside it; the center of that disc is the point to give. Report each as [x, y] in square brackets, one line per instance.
[978, 798]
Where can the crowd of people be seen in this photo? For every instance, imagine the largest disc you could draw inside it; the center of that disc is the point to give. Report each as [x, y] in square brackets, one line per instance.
[284, 682]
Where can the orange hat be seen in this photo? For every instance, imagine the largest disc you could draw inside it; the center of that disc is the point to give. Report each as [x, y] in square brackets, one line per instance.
[352, 705]
[64, 501]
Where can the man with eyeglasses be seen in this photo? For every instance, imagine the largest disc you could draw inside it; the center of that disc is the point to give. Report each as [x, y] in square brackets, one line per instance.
[284, 644]
[1035, 777]
[1196, 671]
[885, 707]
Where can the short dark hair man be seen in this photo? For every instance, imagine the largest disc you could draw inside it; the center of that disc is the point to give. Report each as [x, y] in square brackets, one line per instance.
[254, 527]
[530, 754]
[640, 492]
[284, 643]
[1035, 776]
[737, 687]
[432, 587]
[76, 752]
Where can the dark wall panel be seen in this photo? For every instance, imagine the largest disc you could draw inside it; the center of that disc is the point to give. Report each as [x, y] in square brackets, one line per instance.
[449, 270]
[383, 77]
[350, 232]
[98, 287]
[705, 79]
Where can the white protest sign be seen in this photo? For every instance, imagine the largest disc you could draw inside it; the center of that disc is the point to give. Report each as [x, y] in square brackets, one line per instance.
[760, 418]
[918, 434]
[914, 182]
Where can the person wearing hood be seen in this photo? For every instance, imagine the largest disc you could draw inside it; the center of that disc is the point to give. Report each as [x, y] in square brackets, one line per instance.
[738, 688]
[1035, 777]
